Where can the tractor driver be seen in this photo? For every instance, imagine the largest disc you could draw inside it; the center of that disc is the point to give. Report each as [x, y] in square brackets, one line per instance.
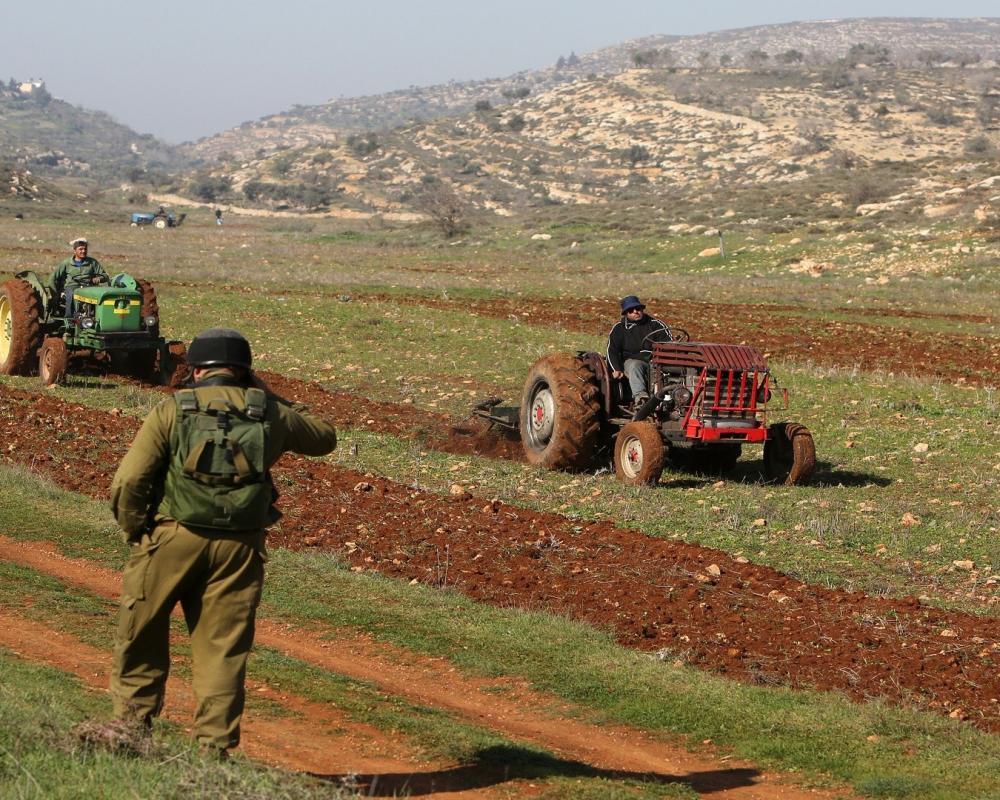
[630, 346]
[77, 270]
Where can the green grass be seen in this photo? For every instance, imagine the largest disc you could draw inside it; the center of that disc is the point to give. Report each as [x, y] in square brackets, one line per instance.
[819, 734]
[41, 758]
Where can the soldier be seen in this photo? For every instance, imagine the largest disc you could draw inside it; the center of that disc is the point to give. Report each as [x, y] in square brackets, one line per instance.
[193, 497]
[77, 270]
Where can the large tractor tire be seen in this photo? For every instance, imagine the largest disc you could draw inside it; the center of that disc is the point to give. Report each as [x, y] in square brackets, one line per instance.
[150, 306]
[789, 453]
[177, 367]
[561, 413]
[160, 223]
[20, 327]
[639, 454]
[53, 361]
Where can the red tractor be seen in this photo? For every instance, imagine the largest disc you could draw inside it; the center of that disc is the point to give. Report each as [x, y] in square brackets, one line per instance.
[705, 402]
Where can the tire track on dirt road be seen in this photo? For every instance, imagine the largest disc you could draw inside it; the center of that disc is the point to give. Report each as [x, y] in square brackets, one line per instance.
[319, 741]
[609, 751]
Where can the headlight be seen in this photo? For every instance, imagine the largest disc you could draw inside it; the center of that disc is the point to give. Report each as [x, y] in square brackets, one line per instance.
[682, 396]
[150, 321]
[87, 322]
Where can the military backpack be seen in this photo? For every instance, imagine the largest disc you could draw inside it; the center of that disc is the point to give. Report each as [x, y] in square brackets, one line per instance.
[217, 477]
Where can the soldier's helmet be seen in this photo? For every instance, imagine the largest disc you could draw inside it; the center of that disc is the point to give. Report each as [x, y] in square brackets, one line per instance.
[220, 347]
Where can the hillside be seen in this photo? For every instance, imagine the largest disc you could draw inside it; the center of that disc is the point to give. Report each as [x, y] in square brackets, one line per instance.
[847, 137]
[910, 42]
[41, 133]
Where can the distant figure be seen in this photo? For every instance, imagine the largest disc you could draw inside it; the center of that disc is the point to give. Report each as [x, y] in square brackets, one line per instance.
[218, 216]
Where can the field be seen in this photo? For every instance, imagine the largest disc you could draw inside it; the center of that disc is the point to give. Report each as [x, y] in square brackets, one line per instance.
[442, 619]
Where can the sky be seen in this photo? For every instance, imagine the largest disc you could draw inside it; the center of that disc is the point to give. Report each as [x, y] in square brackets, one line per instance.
[184, 69]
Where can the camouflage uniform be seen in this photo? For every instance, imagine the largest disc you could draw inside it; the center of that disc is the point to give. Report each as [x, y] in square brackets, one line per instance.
[215, 574]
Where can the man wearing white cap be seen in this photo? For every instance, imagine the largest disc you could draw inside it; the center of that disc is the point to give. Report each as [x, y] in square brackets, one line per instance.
[77, 270]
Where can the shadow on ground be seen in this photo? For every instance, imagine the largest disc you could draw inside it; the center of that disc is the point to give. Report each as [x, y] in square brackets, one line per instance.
[496, 765]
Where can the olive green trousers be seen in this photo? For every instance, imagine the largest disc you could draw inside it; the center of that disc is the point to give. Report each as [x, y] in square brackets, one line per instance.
[217, 577]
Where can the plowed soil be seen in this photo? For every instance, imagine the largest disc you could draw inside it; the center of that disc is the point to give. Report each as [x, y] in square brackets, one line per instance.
[742, 620]
[789, 336]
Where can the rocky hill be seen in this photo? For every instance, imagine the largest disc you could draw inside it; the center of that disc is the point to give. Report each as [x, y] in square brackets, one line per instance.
[878, 137]
[904, 42]
[43, 134]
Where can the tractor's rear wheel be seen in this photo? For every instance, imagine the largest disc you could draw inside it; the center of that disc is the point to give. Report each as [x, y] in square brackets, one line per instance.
[789, 453]
[53, 361]
[160, 223]
[560, 413]
[177, 366]
[639, 454]
[150, 306]
[20, 327]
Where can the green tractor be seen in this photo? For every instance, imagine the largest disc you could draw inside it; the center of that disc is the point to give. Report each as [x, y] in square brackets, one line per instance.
[114, 326]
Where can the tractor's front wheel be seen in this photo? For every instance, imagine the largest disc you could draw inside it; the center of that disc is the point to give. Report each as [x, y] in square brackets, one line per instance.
[639, 454]
[53, 361]
[789, 453]
[561, 413]
[20, 327]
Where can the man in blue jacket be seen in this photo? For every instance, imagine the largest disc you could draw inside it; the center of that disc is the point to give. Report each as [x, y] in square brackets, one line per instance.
[630, 346]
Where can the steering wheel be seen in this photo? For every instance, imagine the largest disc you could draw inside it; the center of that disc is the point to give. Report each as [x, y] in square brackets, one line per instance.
[90, 280]
[679, 334]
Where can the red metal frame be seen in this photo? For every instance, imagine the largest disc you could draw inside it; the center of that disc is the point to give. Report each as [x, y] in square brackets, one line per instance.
[738, 372]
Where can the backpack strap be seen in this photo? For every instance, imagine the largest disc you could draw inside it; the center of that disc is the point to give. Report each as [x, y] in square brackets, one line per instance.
[187, 401]
[256, 403]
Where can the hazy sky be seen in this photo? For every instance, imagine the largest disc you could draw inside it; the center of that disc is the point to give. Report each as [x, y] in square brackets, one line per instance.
[182, 69]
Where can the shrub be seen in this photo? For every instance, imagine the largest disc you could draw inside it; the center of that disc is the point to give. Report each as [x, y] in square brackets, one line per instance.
[979, 146]
[516, 122]
[363, 145]
[209, 187]
[942, 116]
[863, 53]
[635, 154]
[483, 105]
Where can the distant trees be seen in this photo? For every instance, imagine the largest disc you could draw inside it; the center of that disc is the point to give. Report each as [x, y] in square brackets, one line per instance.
[208, 187]
[791, 56]
[516, 92]
[662, 57]
[757, 58]
[635, 154]
[440, 202]
[363, 145]
[571, 60]
[516, 122]
[864, 53]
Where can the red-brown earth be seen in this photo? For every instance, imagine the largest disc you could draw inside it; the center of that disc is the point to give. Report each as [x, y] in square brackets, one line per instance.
[785, 334]
[742, 620]
[336, 747]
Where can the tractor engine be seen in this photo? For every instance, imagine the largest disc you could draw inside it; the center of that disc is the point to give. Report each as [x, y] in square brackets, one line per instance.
[710, 392]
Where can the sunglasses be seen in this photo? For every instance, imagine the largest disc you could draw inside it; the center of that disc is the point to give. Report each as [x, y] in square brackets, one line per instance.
[634, 311]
